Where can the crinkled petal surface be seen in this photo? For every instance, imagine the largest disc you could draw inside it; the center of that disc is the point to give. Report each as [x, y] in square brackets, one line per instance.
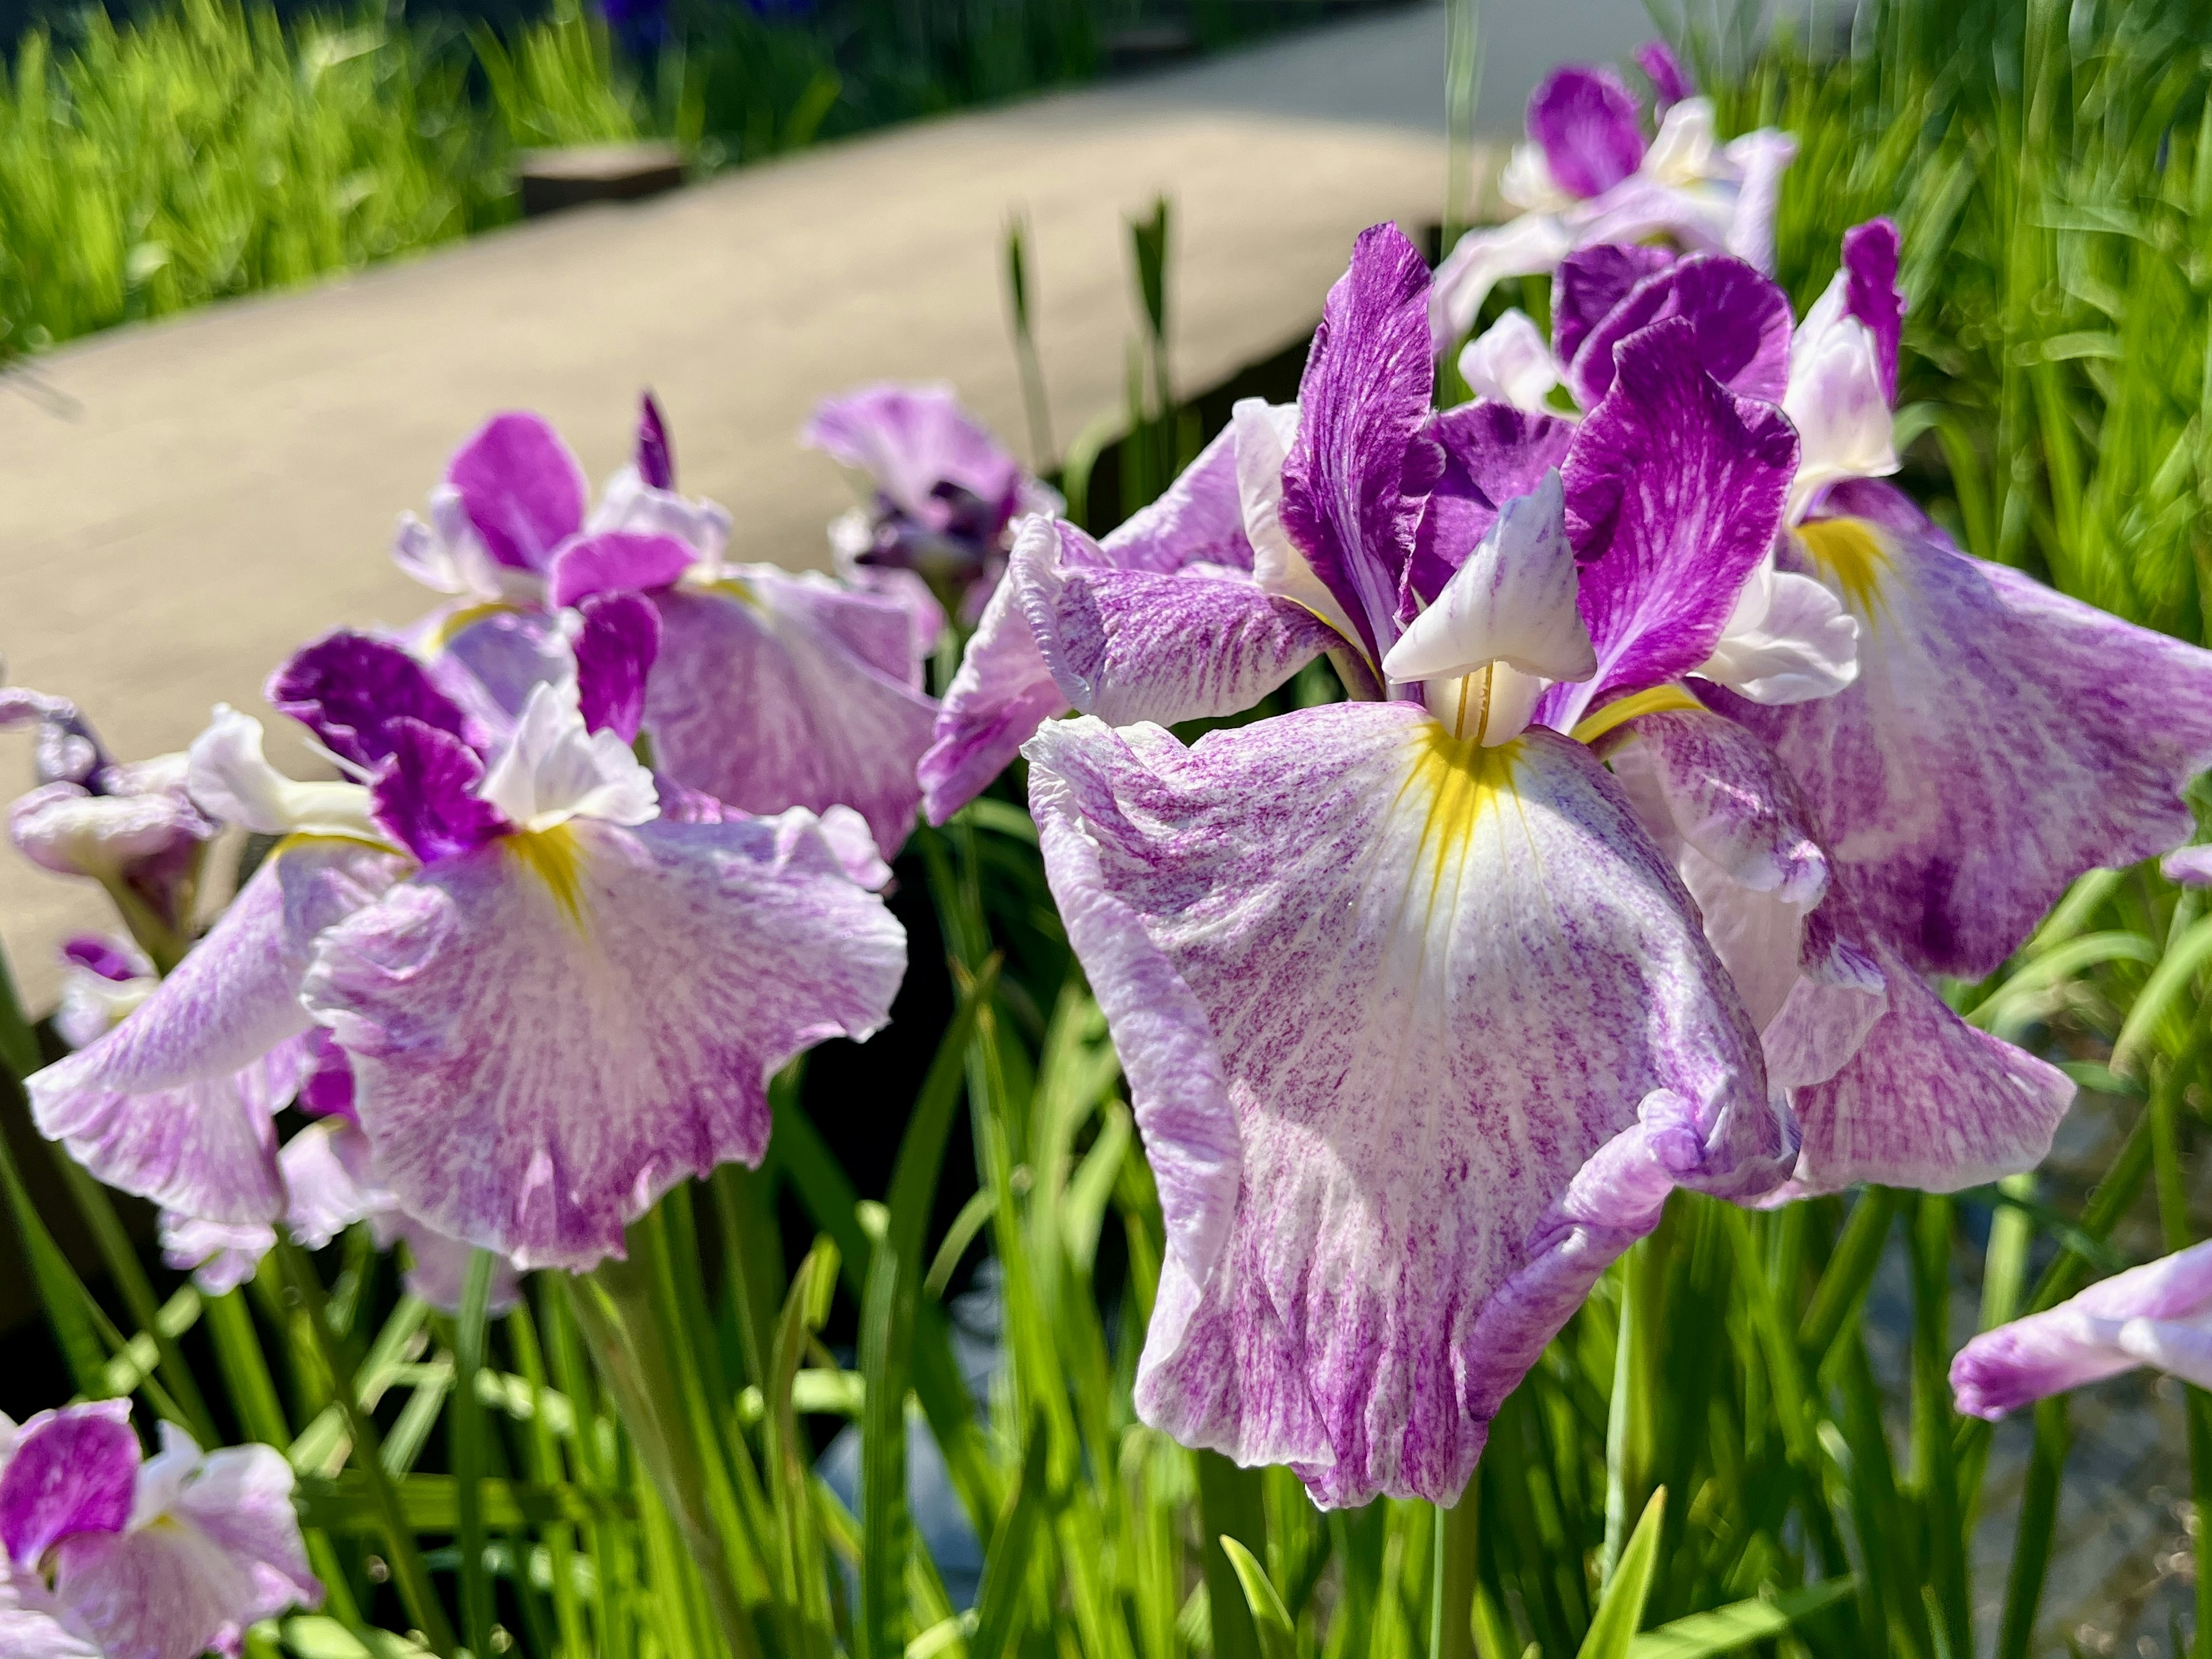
[1742, 323]
[173, 1104]
[549, 1032]
[1418, 1035]
[347, 688]
[2000, 739]
[776, 690]
[1590, 282]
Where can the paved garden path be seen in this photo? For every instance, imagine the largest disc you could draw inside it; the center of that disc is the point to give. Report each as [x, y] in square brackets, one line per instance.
[222, 486]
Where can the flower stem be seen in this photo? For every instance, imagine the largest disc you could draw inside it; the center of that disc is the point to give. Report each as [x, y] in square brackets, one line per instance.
[1452, 1622]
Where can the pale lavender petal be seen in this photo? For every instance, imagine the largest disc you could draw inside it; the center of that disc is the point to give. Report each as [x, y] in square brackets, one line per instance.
[1527, 246]
[72, 1473]
[1585, 119]
[1003, 691]
[1743, 321]
[909, 439]
[1759, 159]
[348, 687]
[1370, 1185]
[173, 1103]
[2000, 739]
[220, 1255]
[1137, 645]
[1590, 282]
[438, 1266]
[1493, 454]
[136, 838]
[520, 487]
[1675, 491]
[615, 651]
[1198, 519]
[1362, 463]
[67, 749]
[656, 461]
[425, 797]
[1871, 295]
[33, 1625]
[2192, 867]
[492, 660]
[531, 1076]
[1730, 798]
[328, 1191]
[1670, 81]
[2078, 1340]
[781, 691]
[615, 561]
[240, 1499]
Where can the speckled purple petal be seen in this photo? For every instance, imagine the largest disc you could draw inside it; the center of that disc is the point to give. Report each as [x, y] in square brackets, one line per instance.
[1362, 462]
[1382, 1190]
[616, 649]
[1198, 519]
[1585, 119]
[776, 690]
[1743, 321]
[1675, 491]
[521, 489]
[909, 439]
[1494, 452]
[656, 461]
[425, 797]
[173, 1103]
[2000, 740]
[531, 1076]
[614, 562]
[997, 700]
[347, 687]
[1871, 295]
[1590, 282]
[72, 1473]
[1670, 81]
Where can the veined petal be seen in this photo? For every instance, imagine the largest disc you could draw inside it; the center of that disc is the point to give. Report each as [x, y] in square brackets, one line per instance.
[1136, 645]
[760, 698]
[1202, 517]
[240, 1497]
[531, 1076]
[1493, 454]
[615, 651]
[1369, 1176]
[1003, 691]
[1513, 601]
[1526, 247]
[173, 1104]
[1742, 323]
[1362, 463]
[1585, 119]
[1264, 435]
[347, 687]
[2190, 867]
[1590, 282]
[425, 797]
[1674, 487]
[1511, 363]
[1870, 292]
[490, 662]
[2000, 740]
[521, 489]
[73, 1472]
[2080, 1341]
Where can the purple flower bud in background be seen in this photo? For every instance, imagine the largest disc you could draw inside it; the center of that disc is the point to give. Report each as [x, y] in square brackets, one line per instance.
[1670, 81]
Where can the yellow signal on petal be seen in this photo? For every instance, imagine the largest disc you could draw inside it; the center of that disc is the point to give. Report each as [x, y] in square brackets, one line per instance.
[1852, 556]
[556, 858]
[1461, 782]
[451, 626]
[1658, 699]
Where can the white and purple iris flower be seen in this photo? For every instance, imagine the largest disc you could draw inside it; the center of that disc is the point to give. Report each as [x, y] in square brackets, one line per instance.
[773, 690]
[557, 984]
[945, 493]
[128, 825]
[2159, 1314]
[112, 1555]
[1587, 176]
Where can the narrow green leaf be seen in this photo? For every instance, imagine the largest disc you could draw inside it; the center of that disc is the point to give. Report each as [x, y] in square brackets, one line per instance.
[1270, 1618]
[1726, 1629]
[1005, 1570]
[1230, 1504]
[69, 1306]
[2169, 982]
[19, 1043]
[466, 1430]
[1614, 1627]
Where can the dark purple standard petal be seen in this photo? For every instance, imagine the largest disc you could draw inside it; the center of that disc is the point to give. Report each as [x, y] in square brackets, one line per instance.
[656, 461]
[425, 796]
[521, 489]
[616, 560]
[1670, 81]
[74, 1473]
[1871, 295]
[1356, 477]
[1494, 452]
[1590, 282]
[347, 688]
[1675, 491]
[1585, 119]
[1743, 321]
[621, 637]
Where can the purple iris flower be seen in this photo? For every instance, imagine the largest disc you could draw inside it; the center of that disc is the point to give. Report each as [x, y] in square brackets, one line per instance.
[111, 1555]
[102, 980]
[2159, 1314]
[130, 826]
[946, 493]
[1586, 178]
[771, 690]
[486, 934]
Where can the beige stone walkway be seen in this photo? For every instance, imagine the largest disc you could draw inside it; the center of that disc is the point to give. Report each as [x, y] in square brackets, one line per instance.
[227, 487]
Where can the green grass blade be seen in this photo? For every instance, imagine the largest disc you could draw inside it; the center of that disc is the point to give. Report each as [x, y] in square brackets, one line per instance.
[1007, 1568]
[466, 1428]
[1725, 1629]
[1270, 1618]
[1620, 1611]
[1230, 1504]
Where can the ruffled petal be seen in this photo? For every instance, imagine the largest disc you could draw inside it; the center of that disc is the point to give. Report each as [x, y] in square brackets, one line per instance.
[521, 489]
[1674, 487]
[1527, 246]
[33, 1625]
[2079, 1341]
[1511, 363]
[1585, 119]
[219, 1256]
[2000, 740]
[1742, 323]
[532, 1075]
[426, 799]
[347, 688]
[1382, 1194]
[1003, 691]
[1136, 645]
[1493, 454]
[1200, 519]
[616, 560]
[1362, 464]
[239, 1499]
[1591, 282]
[760, 698]
[615, 651]
[173, 1104]
[74, 1472]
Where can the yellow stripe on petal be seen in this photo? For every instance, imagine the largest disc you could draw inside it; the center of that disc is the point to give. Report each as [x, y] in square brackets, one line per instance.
[451, 628]
[556, 858]
[1851, 555]
[1660, 699]
[1462, 783]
